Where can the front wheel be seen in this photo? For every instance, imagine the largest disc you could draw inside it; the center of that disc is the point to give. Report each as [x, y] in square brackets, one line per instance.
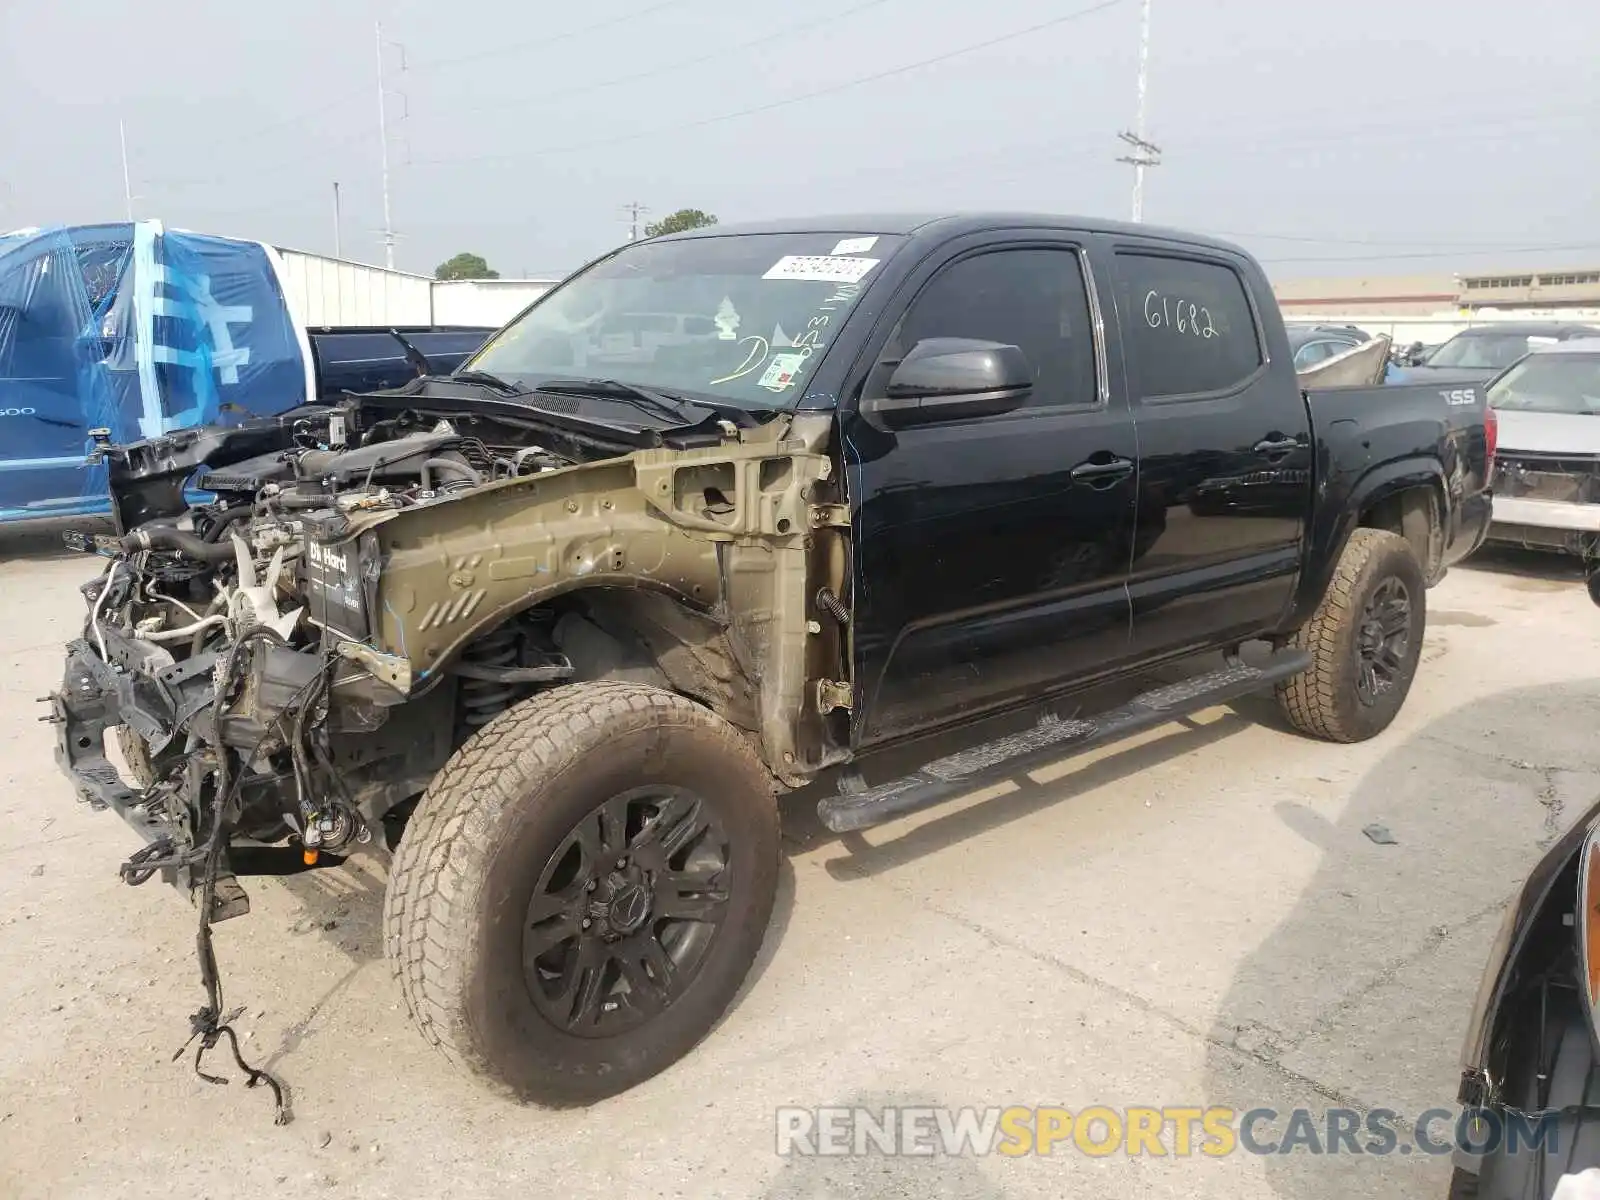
[581, 893]
[1365, 640]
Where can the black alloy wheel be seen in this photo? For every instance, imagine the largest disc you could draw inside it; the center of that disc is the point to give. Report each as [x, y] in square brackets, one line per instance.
[1383, 640]
[626, 910]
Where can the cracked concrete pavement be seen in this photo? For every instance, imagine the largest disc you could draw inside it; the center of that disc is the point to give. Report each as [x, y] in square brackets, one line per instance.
[1193, 917]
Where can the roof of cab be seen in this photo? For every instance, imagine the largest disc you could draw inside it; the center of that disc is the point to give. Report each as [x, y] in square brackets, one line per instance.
[947, 225]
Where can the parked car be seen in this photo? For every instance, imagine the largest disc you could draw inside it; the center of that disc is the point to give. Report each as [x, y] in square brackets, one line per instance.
[1528, 1065]
[572, 633]
[1547, 471]
[131, 330]
[1483, 351]
[1310, 344]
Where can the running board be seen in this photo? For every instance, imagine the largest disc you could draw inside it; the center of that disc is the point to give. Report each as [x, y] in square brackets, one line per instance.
[1052, 739]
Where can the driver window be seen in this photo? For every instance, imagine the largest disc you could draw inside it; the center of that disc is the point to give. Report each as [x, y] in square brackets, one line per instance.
[1030, 298]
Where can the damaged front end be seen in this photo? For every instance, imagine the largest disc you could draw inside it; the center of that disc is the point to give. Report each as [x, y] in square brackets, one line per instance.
[297, 657]
[288, 664]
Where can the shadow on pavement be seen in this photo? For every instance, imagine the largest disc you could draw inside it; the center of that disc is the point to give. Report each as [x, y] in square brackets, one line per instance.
[1534, 565]
[1361, 994]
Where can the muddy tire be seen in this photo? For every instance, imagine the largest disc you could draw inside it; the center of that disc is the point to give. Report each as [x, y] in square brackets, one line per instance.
[1365, 639]
[579, 896]
[136, 754]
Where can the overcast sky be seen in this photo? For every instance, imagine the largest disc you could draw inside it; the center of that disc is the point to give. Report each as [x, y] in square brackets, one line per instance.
[1331, 139]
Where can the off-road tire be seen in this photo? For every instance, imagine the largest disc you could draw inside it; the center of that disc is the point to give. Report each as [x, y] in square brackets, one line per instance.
[1324, 700]
[136, 754]
[470, 859]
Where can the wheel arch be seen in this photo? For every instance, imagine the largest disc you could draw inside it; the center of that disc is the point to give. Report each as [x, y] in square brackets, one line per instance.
[653, 628]
[1407, 497]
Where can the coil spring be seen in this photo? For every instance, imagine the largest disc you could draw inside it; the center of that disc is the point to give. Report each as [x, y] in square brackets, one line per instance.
[482, 700]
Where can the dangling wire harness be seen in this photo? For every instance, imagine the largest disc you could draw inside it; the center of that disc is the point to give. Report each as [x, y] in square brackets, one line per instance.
[208, 1023]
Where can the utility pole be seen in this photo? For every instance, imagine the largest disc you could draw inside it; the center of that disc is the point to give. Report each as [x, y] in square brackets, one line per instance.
[634, 209]
[338, 237]
[127, 178]
[1145, 154]
[383, 145]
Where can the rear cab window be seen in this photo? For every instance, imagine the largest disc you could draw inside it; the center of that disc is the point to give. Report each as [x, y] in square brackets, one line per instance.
[1189, 325]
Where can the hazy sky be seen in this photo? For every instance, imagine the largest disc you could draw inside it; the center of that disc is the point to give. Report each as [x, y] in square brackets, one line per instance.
[1330, 138]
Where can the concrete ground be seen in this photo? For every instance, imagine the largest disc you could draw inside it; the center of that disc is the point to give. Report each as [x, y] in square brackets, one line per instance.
[1192, 918]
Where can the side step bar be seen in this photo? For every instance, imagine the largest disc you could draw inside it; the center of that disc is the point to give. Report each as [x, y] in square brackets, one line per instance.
[1049, 741]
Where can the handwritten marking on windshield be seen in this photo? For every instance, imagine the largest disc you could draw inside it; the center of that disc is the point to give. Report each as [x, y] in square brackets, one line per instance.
[1178, 314]
[758, 351]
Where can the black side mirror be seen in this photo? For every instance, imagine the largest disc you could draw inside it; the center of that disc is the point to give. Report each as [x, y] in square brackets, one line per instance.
[949, 379]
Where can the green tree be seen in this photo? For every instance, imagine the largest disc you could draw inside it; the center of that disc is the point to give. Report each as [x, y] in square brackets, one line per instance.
[465, 266]
[684, 218]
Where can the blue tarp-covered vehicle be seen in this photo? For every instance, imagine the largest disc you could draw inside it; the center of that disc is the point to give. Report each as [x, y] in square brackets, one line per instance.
[137, 329]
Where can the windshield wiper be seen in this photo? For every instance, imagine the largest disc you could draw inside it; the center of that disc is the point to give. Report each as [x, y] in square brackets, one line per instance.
[645, 399]
[487, 380]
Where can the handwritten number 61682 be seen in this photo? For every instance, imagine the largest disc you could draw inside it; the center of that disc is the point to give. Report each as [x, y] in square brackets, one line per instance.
[1177, 314]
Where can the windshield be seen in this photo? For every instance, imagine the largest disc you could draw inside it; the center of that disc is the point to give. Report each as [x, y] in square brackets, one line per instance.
[742, 318]
[1552, 383]
[1485, 350]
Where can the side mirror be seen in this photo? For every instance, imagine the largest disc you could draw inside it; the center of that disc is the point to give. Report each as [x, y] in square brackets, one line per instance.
[950, 379]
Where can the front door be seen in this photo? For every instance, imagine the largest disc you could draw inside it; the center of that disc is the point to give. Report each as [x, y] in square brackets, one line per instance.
[991, 553]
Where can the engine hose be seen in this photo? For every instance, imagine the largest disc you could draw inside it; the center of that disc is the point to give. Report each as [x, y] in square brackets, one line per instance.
[448, 466]
[226, 517]
[177, 539]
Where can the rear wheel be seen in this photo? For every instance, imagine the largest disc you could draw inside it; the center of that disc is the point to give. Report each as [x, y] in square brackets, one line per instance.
[579, 896]
[1365, 640]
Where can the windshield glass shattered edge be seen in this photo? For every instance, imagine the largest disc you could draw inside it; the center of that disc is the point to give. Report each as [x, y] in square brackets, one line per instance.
[741, 319]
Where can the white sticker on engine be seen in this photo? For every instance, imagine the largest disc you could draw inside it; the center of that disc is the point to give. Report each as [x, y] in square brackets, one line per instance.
[855, 245]
[781, 371]
[825, 268]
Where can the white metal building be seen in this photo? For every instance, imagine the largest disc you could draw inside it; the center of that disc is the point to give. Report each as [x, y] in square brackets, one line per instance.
[332, 291]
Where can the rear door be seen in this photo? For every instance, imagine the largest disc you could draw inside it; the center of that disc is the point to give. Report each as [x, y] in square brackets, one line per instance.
[1225, 450]
[992, 552]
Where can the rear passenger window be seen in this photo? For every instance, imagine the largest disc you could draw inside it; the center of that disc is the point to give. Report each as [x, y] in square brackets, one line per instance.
[1190, 325]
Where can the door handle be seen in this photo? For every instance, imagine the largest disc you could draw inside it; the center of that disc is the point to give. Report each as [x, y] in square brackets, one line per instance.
[1090, 471]
[1276, 445]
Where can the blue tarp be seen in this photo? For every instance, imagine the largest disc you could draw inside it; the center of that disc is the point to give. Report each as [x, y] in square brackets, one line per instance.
[136, 329]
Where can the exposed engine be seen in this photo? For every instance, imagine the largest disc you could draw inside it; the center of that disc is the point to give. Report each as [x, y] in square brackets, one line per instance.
[232, 645]
[246, 642]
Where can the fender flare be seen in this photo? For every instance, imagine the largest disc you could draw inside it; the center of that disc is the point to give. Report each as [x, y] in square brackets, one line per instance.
[1337, 514]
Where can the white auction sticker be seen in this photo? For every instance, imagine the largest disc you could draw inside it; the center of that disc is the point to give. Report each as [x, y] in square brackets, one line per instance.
[855, 245]
[781, 371]
[826, 268]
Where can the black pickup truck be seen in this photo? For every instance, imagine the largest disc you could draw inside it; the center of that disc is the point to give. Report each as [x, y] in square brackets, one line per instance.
[724, 514]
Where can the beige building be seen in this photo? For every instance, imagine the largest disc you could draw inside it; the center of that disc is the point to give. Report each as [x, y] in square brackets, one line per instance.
[1436, 294]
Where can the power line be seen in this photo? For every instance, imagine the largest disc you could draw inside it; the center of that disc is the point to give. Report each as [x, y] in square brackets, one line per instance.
[272, 167]
[789, 34]
[541, 43]
[831, 89]
[255, 134]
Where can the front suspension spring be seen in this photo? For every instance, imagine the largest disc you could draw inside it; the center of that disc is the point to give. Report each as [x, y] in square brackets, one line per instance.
[482, 700]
